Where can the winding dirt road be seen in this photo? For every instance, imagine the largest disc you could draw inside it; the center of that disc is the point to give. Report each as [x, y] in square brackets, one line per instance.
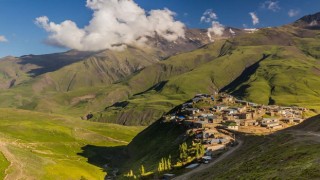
[14, 171]
[314, 135]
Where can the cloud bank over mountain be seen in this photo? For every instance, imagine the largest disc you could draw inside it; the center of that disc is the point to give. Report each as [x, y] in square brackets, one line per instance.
[114, 23]
[216, 28]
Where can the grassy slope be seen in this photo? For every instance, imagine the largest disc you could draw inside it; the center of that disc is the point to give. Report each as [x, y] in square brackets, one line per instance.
[284, 155]
[11, 70]
[3, 165]
[289, 76]
[48, 146]
[144, 87]
[157, 141]
[99, 70]
[80, 79]
[205, 78]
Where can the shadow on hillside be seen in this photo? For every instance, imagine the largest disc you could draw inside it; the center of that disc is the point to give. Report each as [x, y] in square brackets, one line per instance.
[106, 158]
[245, 76]
[52, 62]
[157, 87]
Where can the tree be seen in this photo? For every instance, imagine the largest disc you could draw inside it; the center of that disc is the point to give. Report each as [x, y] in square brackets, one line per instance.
[142, 171]
[165, 164]
[169, 163]
[197, 152]
[202, 149]
[183, 152]
[130, 174]
[160, 167]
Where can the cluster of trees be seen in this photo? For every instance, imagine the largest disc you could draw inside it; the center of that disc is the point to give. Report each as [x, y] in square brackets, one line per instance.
[165, 164]
[183, 149]
[185, 155]
[130, 174]
[199, 150]
[142, 172]
[195, 151]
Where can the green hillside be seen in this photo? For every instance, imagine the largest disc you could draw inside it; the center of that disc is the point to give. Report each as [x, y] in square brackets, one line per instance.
[270, 66]
[266, 67]
[285, 154]
[45, 146]
[3, 166]
[288, 154]
[17, 70]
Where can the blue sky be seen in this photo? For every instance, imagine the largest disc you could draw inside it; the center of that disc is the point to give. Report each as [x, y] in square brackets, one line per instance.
[24, 37]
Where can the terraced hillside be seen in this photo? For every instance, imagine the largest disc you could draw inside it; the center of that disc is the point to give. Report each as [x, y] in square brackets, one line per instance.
[288, 154]
[43, 146]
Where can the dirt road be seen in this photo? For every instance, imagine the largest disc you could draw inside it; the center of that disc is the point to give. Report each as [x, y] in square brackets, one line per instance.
[14, 171]
[313, 135]
[202, 167]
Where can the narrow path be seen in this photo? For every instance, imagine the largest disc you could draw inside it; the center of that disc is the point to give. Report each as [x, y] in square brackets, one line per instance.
[15, 167]
[97, 134]
[202, 167]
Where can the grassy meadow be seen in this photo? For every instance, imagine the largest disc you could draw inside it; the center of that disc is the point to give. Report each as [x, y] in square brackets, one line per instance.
[46, 146]
[3, 165]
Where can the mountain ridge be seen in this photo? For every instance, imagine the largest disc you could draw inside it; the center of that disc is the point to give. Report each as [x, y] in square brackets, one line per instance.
[150, 83]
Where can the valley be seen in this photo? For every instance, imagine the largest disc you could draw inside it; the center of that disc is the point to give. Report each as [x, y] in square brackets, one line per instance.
[145, 87]
[38, 145]
[240, 104]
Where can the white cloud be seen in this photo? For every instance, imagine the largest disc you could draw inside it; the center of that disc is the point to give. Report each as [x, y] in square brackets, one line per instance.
[208, 16]
[216, 28]
[271, 5]
[293, 12]
[3, 39]
[114, 22]
[255, 19]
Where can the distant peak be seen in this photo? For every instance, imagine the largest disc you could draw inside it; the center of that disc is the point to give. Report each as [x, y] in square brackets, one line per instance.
[309, 21]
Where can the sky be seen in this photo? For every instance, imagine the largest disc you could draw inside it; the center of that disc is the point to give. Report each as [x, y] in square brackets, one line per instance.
[49, 26]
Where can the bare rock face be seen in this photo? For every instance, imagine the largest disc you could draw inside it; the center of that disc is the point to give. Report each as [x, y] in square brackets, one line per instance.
[310, 21]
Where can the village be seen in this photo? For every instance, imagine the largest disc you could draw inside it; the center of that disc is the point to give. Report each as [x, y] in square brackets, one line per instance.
[214, 120]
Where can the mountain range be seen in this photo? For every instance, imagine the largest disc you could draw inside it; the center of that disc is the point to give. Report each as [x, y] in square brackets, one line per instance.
[139, 84]
[45, 100]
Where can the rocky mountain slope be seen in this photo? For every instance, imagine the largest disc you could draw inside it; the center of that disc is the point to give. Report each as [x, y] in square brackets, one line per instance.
[310, 21]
